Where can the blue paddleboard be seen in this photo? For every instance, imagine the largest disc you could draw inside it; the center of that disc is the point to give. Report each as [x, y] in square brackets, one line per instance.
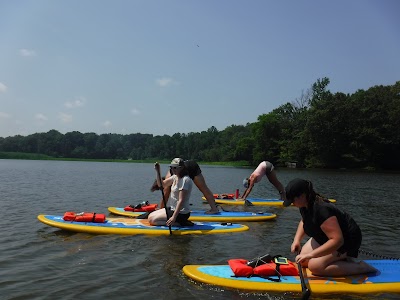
[201, 215]
[130, 226]
[386, 280]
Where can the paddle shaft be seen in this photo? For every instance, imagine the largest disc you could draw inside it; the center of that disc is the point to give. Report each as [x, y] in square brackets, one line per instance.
[163, 197]
[306, 293]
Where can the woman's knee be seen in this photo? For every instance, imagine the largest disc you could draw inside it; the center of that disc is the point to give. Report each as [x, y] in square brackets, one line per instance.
[153, 217]
[316, 267]
[150, 218]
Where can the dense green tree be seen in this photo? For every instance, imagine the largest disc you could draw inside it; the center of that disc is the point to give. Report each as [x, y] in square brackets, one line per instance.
[267, 132]
[320, 129]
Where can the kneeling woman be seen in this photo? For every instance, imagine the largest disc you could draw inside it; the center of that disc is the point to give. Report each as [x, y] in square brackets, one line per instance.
[335, 236]
[181, 188]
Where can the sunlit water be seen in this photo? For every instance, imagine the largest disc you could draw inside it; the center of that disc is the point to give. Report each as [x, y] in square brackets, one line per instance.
[41, 262]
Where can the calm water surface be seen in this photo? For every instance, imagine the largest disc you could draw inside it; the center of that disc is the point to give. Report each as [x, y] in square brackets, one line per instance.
[41, 262]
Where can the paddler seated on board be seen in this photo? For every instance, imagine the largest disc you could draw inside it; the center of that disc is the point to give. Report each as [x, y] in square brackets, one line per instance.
[335, 237]
[180, 186]
[264, 168]
[196, 175]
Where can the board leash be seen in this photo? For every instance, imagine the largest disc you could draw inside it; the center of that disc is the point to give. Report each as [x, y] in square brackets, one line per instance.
[369, 253]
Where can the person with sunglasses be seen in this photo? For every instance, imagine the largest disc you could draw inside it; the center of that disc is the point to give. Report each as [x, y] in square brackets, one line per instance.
[196, 175]
[335, 237]
[265, 168]
[180, 186]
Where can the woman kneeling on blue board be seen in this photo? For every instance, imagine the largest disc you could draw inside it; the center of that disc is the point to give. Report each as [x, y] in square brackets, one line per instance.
[335, 237]
[181, 188]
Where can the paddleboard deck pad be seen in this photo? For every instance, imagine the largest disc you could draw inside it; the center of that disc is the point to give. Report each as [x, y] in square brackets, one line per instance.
[386, 280]
[130, 226]
[200, 215]
[254, 201]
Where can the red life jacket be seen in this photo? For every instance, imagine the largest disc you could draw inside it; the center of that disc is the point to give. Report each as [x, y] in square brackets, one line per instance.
[241, 269]
[146, 208]
[224, 196]
[84, 217]
[271, 269]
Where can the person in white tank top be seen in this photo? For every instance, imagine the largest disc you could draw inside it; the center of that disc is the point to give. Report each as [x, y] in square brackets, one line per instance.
[265, 168]
[178, 202]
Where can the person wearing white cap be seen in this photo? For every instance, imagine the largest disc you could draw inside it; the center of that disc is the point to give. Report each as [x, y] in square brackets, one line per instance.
[180, 186]
[196, 175]
[265, 168]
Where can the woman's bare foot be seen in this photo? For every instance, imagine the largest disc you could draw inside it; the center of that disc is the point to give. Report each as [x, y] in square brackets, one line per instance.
[368, 268]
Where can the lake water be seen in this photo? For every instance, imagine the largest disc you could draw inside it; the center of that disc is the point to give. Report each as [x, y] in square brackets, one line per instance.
[42, 262]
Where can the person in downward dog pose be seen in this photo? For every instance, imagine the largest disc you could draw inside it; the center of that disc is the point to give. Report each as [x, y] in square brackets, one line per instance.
[196, 175]
[335, 237]
[264, 168]
[180, 186]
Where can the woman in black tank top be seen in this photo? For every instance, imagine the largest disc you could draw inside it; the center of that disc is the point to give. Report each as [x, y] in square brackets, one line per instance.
[334, 235]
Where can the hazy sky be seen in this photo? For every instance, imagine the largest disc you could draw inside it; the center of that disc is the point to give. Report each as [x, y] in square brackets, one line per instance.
[168, 66]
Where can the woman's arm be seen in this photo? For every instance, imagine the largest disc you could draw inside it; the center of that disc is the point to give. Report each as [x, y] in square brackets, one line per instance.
[296, 245]
[249, 188]
[335, 238]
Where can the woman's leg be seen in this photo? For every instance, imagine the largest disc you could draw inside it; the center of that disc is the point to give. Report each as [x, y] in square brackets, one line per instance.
[157, 217]
[200, 182]
[335, 264]
[332, 265]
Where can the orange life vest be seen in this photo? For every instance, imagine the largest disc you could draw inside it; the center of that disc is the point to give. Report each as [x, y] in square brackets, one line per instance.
[84, 217]
[240, 268]
[224, 196]
[146, 208]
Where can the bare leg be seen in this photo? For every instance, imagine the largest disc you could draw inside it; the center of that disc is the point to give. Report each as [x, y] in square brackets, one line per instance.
[344, 267]
[334, 264]
[277, 184]
[202, 186]
[158, 217]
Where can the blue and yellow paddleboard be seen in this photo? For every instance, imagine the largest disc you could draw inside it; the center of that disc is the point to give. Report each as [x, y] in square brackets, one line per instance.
[386, 280]
[200, 215]
[254, 201]
[131, 226]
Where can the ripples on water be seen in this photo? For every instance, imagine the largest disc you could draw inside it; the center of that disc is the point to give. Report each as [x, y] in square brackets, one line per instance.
[41, 262]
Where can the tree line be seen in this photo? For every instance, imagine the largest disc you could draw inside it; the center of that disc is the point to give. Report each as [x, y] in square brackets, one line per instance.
[319, 129]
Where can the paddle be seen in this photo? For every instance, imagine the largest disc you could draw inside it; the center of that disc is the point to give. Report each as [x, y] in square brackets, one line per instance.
[306, 293]
[248, 203]
[157, 167]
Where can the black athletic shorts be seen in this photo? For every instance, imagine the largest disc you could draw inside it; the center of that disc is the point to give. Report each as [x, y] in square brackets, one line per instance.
[182, 218]
[193, 168]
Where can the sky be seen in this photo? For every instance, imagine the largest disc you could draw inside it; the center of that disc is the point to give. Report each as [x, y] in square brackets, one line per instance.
[179, 66]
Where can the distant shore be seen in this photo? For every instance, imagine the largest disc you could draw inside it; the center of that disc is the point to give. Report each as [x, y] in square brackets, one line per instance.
[35, 156]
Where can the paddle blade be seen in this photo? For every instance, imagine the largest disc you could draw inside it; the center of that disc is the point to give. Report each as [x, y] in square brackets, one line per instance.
[306, 294]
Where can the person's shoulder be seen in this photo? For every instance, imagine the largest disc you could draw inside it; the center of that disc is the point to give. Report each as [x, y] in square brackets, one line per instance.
[187, 178]
[322, 207]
